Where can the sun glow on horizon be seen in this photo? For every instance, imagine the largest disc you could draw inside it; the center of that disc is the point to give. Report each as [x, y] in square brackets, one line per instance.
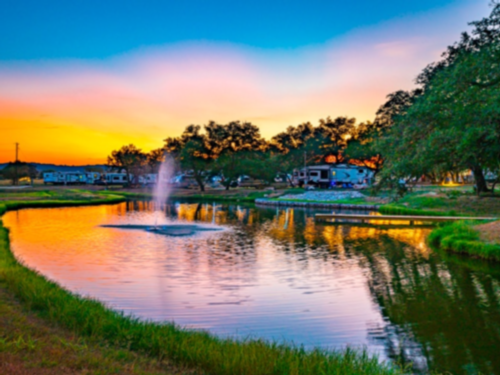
[77, 112]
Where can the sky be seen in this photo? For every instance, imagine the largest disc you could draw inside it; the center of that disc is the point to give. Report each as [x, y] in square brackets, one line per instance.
[79, 79]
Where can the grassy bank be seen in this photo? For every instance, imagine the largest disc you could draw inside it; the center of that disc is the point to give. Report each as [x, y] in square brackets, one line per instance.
[462, 237]
[190, 196]
[90, 320]
[393, 209]
[29, 345]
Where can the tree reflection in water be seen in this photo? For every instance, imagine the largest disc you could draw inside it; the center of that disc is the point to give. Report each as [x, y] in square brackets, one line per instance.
[443, 311]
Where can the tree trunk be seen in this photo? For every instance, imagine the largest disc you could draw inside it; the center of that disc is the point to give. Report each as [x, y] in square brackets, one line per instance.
[494, 185]
[199, 180]
[481, 186]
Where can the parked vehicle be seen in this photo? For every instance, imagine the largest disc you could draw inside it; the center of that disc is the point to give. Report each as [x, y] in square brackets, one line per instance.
[337, 175]
[64, 178]
[115, 178]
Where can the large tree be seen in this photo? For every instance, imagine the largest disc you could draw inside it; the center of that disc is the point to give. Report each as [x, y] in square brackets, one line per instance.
[454, 121]
[129, 159]
[18, 170]
[192, 152]
[231, 144]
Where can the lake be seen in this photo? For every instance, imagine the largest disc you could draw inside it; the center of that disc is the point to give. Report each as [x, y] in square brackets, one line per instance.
[276, 274]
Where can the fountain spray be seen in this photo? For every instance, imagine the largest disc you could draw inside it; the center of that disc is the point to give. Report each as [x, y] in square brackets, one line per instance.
[162, 188]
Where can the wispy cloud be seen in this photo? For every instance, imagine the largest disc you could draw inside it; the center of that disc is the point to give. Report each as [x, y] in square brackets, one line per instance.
[152, 93]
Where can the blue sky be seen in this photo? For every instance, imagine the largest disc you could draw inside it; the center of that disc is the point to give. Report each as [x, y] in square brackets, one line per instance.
[79, 79]
[62, 29]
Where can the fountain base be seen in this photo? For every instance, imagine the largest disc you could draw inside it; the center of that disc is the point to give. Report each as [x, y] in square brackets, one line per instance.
[174, 230]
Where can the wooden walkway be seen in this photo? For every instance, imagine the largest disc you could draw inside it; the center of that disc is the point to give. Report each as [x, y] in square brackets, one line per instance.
[411, 218]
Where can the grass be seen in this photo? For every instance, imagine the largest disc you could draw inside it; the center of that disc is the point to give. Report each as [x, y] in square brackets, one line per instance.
[462, 237]
[232, 196]
[393, 209]
[340, 201]
[28, 345]
[90, 320]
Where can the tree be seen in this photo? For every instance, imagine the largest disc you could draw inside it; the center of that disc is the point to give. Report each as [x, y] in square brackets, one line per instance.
[361, 147]
[92, 169]
[230, 145]
[154, 159]
[191, 152]
[18, 170]
[129, 159]
[453, 123]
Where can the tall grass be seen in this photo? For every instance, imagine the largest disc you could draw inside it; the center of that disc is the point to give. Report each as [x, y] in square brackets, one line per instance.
[196, 349]
[391, 209]
[461, 237]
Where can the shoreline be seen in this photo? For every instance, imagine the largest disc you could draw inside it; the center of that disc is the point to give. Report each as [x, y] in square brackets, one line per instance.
[313, 204]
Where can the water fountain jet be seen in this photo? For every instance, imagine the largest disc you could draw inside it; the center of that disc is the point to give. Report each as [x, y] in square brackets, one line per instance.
[161, 193]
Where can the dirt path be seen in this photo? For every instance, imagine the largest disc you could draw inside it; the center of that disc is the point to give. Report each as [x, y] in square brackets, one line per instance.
[490, 232]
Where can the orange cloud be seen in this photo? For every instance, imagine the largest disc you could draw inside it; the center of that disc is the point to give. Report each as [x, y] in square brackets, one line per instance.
[79, 111]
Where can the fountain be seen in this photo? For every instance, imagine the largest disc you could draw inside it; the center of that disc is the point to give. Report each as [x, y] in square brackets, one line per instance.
[161, 192]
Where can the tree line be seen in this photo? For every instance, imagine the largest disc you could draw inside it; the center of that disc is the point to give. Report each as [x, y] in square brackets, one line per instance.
[237, 148]
[449, 123]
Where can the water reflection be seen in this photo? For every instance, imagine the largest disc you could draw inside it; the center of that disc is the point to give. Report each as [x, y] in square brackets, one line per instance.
[277, 274]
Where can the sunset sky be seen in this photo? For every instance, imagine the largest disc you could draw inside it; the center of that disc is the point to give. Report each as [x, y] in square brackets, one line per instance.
[79, 79]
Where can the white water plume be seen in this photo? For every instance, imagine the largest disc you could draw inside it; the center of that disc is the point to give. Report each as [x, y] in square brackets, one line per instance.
[163, 184]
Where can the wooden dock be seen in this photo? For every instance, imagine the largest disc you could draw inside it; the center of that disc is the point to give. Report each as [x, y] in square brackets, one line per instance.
[411, 218]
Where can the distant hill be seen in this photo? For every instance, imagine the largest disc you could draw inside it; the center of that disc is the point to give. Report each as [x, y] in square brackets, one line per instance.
[62, 168]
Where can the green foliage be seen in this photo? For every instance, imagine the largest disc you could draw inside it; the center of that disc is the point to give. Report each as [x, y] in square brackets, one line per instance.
[130, 159]
[453, 194]
[452, 122]
[461, 237]
[392, 209]
[17, 170]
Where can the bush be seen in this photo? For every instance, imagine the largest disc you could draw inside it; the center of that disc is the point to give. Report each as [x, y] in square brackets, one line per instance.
[461, 237]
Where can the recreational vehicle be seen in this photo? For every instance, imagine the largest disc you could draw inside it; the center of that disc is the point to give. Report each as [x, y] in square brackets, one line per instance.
[56, 178]
[64, 178]
[333, 175]
[115, 178]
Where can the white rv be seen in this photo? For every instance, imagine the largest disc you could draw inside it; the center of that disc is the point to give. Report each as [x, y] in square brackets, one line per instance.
[333, 175]
[345, 173]
[115, 178]
[64, 178]
[92, 177]
[55, 178]
[148, 179]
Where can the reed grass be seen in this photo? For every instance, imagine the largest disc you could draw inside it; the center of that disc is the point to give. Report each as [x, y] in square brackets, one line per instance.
[196, 349]
[461, 237]
[392, 209]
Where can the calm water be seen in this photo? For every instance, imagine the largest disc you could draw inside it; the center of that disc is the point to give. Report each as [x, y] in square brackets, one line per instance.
[279, 275]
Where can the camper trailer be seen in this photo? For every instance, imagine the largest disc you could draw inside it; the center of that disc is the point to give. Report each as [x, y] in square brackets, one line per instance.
[56, 178]
[64, 178]
[326, 176]
[92, 177]
[115, 178]
[345, 173]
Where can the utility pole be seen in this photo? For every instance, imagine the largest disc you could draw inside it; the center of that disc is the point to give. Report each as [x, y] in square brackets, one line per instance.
[15, 164]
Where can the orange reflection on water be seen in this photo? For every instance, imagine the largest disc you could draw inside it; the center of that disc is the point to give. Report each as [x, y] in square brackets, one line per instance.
[275, 273]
